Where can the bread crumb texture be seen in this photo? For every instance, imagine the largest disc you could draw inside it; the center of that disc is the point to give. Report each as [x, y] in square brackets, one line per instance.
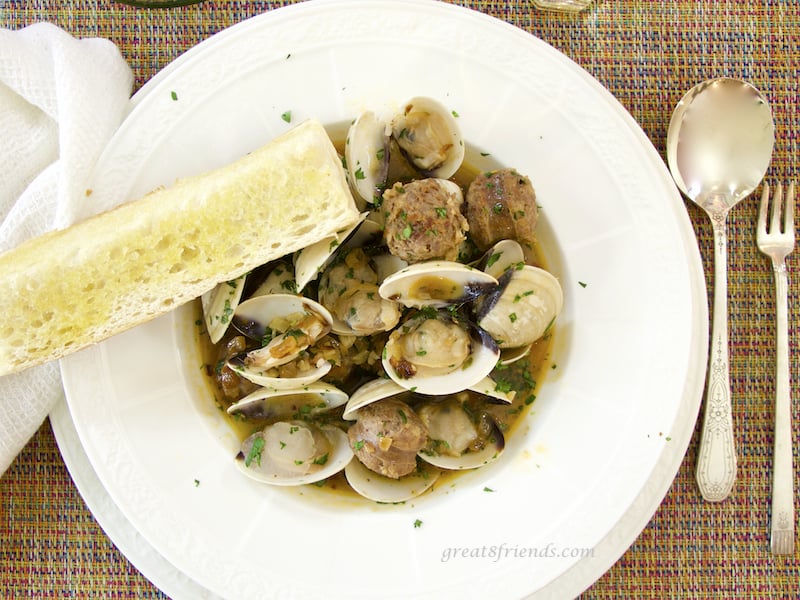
[67, 289]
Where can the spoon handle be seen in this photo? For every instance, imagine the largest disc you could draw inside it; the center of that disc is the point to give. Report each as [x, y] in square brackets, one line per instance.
[716, 460]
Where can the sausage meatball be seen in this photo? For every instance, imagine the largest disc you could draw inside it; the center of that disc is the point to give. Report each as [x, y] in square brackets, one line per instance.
[501, 205]
[387, 437]
[424, 220]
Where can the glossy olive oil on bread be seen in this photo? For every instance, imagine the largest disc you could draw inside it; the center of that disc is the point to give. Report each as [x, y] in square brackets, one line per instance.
[70, 288]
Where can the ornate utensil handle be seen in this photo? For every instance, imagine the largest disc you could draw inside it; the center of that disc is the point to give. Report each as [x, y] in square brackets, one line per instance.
[782, 533]
[716, 460]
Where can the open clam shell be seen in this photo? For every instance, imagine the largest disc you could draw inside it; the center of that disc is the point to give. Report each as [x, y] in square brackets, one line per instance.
[430, 137]
[454, 433]
[435, 354]
[291, 324]
[466, 461]
[312, 259]
[265, 403]
[378, 488]
[504, 255]
[436, 283]
[370, 392]
[290, 453]
[219, 305]
[366, 154]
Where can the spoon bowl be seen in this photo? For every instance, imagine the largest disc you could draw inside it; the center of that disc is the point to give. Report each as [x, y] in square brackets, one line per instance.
[719, 145]
[719, 142]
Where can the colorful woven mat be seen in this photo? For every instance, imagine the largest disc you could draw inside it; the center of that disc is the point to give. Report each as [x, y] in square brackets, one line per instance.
[648, 54]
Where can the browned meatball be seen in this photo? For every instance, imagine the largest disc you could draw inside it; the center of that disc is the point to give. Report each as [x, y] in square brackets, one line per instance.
[501, 205]
[424, 220]
[387, 437]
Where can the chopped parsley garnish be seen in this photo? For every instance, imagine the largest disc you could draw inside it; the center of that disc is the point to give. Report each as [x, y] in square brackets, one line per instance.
[493, 258]
[287, 116]
[255, 452]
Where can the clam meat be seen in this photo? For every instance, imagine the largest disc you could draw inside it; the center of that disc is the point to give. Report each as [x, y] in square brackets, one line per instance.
[436, 353]
[349, 290]
[294, 452]
[429, 136]
[287, 326]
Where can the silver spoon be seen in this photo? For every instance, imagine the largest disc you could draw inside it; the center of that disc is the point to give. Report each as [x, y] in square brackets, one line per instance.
[719, 145]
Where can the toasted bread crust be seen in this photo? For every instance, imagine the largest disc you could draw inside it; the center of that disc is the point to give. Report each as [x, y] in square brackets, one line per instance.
[71, 288]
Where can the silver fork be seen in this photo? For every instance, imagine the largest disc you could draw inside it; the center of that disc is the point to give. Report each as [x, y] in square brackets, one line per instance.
[776, 239]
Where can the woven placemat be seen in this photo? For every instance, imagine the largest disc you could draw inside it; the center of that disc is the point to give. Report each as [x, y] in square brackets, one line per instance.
[648, 54]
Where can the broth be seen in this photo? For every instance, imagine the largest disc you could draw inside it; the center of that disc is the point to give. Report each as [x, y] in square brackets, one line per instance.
[523, 376]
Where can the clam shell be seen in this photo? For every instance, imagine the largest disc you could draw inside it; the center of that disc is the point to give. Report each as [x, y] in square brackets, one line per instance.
[266, 472]
[504, 255]
[312, 259]
[520, 312]
[252, 318]
[430, 137]
[366, 155]
[219, 305]
[449, 423]
[376, 487]
[437, 283]
[468, 460]
[449, 379]
[272, 403]
[370, 392]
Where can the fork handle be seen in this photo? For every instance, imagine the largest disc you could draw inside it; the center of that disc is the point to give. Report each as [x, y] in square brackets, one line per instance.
[782, 533]
[716, 460]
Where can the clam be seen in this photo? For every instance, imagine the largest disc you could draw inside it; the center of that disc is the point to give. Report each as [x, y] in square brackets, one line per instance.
[521, 310]
[366, 155]
[435, 353]
[218, 306]
[286, 325]
[429, 136]
[457, 439]
[437, 284]
[294, 453]
[348, 288]
[309, 261]
[265, 403]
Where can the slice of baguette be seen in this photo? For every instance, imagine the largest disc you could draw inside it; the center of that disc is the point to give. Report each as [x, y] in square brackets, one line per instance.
[71, 288]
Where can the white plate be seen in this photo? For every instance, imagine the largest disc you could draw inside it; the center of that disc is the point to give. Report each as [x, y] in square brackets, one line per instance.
[611, 423]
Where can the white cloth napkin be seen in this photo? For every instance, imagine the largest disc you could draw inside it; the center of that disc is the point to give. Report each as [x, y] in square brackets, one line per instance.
[61, 99]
